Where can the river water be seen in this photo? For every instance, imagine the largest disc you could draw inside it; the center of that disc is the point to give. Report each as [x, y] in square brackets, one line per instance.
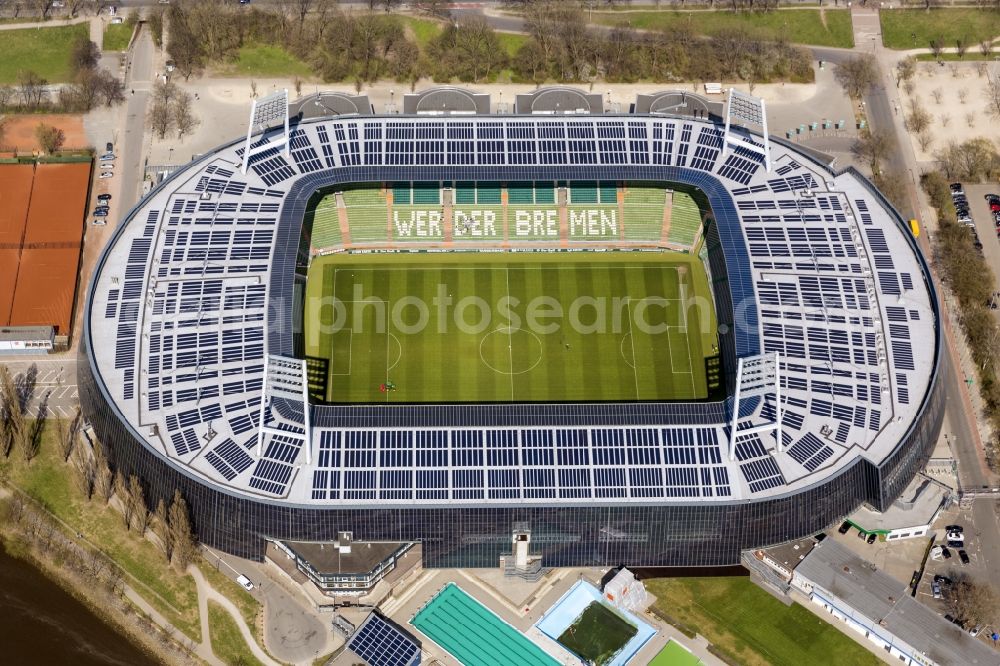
[41, 624]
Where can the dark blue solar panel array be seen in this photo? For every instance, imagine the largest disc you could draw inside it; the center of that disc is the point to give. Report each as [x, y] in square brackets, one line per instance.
[520, 463]
[382, 644]
[206, 339]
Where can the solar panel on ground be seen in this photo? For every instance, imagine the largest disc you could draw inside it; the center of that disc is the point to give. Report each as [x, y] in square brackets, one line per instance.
[380, 643]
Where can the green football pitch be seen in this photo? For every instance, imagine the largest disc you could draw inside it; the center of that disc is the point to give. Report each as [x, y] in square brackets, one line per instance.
[501, 327]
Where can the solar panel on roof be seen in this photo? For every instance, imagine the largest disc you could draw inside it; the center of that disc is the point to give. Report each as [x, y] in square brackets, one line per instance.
[381, 643]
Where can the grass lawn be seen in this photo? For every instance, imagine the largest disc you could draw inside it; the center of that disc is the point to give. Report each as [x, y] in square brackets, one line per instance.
[674, 654]
[598, 634]
[249, 607]
[116, 37]
[511, 42]
[46, 51]
[424, 30]
[945, 24]
[970, 56]
[262, 60]
[545, 327]
[50, 481]
[227, 641]
[800, 26]
[753, 627]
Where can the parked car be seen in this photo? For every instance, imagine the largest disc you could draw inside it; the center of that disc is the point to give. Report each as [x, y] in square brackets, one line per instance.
[964, 556]
[118, 20]
[945, 553]
[101, 213]
[99, 222]
[943, 580]
[844, 527]
[862, 534]
[108, 156]
[104, 196]
[936, 590]
[975, 630]
[956, 544]
[992, 198]
[936, 552]
[244, 581]
[872, 537]
[109, 148]
[956, 187]
[955, 536]
[106, 174]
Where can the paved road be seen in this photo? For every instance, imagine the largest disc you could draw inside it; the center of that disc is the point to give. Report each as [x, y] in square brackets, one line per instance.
[293, 631]
[138, 84]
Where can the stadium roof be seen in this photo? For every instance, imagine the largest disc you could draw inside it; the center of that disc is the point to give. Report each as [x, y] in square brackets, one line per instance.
[196, 288]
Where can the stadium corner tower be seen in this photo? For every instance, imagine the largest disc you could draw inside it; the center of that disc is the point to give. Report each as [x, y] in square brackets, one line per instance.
[194, 370]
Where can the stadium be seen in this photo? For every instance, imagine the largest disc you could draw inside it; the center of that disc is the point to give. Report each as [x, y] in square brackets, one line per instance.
[623, 338]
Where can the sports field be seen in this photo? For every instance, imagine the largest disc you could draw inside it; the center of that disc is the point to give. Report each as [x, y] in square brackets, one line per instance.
[498, 327]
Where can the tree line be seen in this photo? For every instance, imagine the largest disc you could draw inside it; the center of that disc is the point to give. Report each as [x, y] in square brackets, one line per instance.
[93, 472]
[561, 46]
[970, 278]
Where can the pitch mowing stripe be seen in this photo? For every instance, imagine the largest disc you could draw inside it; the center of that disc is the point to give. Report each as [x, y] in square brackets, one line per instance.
[453, 366]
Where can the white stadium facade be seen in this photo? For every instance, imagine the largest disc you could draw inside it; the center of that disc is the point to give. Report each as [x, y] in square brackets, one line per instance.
[193, 330]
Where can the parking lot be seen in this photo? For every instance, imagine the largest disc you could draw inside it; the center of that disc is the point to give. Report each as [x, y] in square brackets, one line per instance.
[952, 568]
[984, 223]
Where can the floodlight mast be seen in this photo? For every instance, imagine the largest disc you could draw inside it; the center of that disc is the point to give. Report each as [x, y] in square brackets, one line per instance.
[748, 109]
[756, 376]
[263, 112]
[286, 378]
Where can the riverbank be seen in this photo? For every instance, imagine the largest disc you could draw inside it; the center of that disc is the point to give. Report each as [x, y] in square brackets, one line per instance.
[46, 623]
[32, 538]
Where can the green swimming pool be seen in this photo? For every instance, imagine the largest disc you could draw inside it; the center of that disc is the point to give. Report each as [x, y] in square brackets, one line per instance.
[473, 634]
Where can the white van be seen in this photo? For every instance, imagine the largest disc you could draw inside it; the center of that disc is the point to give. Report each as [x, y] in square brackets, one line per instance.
[244, 581]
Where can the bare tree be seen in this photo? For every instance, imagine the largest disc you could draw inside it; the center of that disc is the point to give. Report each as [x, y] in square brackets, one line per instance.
[925, 140]
[86, 471]
[972, 602]
[986, 48]
[992, 93]
[104, 478]
[6, 96]
[84, 55]
[184, 119]
[137, 499]
[50, 138]
[857, 75]
[905, 69]
[182, 535]
[12, 422]
[945, 120]
[963, 95]
[970, 119]
[160, 118]
[961, 46]
[938, 95]
[121, 492]
[919, 119]
[32, 440]
[161, 527]
[872, 147]
[936, 47]
[32, 90]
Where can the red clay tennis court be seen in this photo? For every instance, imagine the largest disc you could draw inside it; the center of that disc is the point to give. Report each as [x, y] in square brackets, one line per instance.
[41, 230]
[15, 192]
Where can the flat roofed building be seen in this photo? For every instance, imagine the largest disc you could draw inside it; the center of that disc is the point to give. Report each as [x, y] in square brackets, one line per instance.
[881, 609]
